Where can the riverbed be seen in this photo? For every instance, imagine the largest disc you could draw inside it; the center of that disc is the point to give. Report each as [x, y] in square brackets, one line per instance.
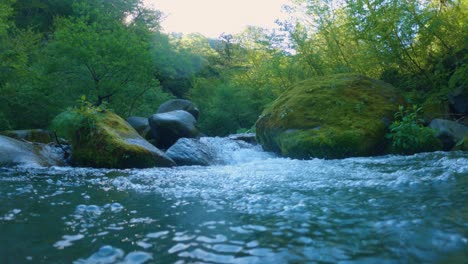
[253, 207]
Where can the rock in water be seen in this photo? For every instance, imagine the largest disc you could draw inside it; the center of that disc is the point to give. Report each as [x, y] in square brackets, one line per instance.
[167, 128]
[450, 133]
[246, 137]
[335, 116]
[102, 139]
[15, 152]
[190, 151]
[179, 104]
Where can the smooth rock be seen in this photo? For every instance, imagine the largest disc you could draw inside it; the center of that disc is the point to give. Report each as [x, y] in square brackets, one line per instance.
[449, 132]
[16, 152]
[179, 104]
[141, 125]
[167, 128]
[190, 151]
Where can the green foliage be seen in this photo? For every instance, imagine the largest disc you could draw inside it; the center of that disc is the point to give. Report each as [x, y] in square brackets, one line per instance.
[225, 108]
[53, 51]
[68, 122]
[408, 135]
[104, 62]
[6, 11]
[4, 123]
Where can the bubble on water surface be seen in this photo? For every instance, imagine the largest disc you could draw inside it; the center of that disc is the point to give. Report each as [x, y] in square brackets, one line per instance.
[67, 241]
[111, 255]
[105, 255]
[157, 234]
[11, 215]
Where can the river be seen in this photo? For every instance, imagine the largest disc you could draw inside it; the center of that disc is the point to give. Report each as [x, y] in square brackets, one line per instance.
[253, 207]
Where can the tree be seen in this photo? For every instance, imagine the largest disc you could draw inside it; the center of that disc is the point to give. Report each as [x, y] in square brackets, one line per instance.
[105, 62]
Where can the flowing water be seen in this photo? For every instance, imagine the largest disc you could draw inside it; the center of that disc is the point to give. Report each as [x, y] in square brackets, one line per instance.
[251, 208]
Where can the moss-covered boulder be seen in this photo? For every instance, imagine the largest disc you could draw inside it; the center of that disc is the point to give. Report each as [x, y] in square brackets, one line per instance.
[101, 139]
[335, 116]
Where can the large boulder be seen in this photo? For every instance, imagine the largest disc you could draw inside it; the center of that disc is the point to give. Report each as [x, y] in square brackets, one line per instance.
[32, 135]
[102, 139]
[16, 152]
[449, 132]
[190, 151]
[167, 128]
[335, 116]
[179, 104]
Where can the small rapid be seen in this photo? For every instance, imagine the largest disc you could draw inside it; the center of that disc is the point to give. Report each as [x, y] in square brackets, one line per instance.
[252, 207]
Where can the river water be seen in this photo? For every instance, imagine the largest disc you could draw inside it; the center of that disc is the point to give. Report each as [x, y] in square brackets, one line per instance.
[251, 208]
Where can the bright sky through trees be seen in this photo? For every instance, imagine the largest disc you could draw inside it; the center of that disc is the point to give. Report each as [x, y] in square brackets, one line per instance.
[213, 17]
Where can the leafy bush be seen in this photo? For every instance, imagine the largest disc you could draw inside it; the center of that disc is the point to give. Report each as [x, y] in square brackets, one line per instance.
[409, 136]
[68, 122]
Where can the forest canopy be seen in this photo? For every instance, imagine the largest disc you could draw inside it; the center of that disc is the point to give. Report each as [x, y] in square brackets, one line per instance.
[54, 52]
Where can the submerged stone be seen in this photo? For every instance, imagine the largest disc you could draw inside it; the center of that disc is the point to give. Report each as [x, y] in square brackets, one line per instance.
[335, 116]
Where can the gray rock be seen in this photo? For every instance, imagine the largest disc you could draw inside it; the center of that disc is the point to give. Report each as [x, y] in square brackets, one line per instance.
[138, 122]
[15, 152]
[449, 132]
[141, 125]
[246, 137]
[179, 104]
[167, 128]
[189, 151]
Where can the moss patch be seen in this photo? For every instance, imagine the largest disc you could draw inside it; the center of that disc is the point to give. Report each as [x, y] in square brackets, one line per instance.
[104, 140]
[330, 117]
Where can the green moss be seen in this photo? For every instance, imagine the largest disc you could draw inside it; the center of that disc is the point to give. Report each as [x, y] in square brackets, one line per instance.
[328, 143]
[331, 117]
[99, 139]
